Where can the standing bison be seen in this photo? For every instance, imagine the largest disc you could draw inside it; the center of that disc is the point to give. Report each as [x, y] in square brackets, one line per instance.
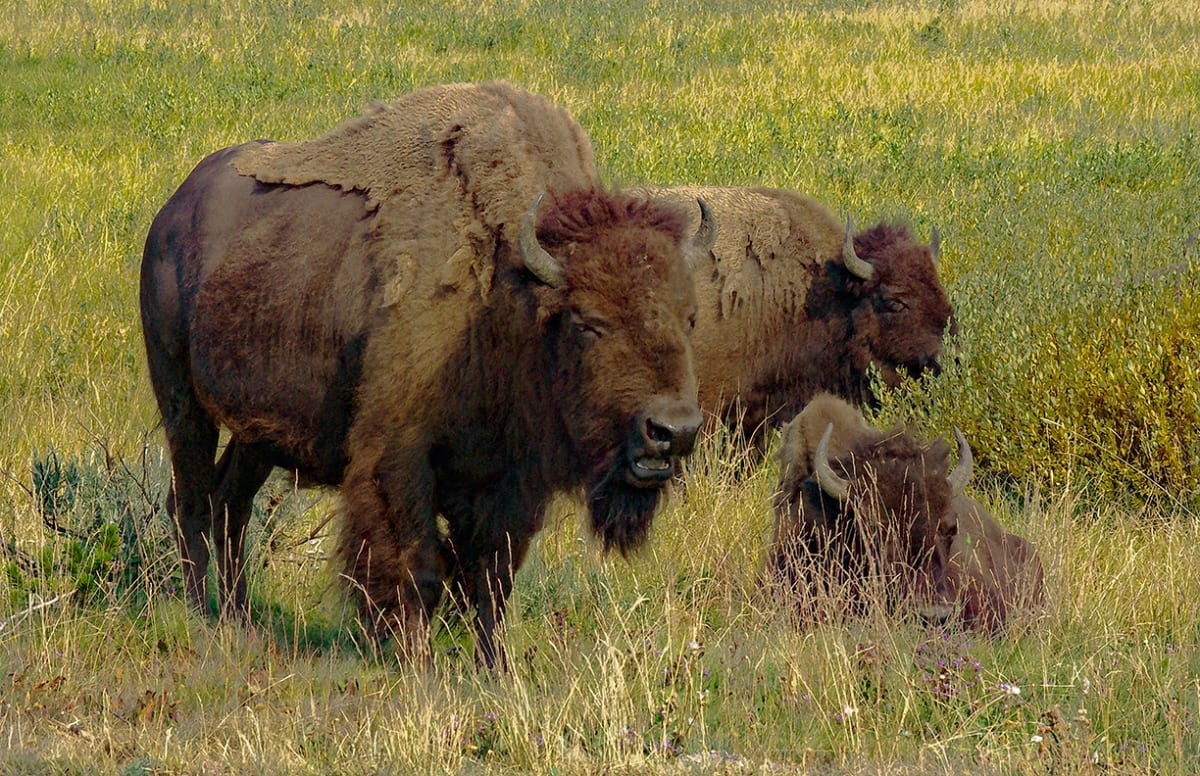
[862, 514]
[792, 303]
[394, 309]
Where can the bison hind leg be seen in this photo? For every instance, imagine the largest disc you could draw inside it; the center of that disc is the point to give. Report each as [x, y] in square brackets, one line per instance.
[240, 474]
[192, 441]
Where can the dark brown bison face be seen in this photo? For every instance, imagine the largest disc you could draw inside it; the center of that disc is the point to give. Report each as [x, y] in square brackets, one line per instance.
[990, 573]
[873, 518]
[618, 306]
[900, 312]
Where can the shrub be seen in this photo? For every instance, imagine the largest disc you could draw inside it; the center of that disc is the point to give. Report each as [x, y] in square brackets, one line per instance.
[110, 534]
[1100, 388]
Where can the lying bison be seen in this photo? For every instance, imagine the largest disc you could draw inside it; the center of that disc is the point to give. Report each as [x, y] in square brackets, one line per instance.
[866, 514]
[394, 309]
[792, 303]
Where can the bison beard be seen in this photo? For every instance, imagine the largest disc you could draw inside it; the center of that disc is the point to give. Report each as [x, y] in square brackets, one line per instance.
[621, 513]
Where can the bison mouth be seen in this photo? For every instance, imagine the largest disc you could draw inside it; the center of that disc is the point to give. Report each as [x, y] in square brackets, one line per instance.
[647, 470]
[625, 494]
[624, 497]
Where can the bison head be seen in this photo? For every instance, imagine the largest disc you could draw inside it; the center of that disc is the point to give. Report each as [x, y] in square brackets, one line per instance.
[873, 518]
[617, 305]
[899, 310]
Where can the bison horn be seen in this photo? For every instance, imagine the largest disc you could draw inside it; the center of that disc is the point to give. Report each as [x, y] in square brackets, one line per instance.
[935, 246]
[537, 259]
[833, 485]
[858, 267]
[706, 234]
[961, 475]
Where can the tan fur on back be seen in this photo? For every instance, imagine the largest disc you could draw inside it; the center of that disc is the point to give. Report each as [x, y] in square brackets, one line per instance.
[771, 243]
[451, 169]
[803, 433]
[760, 234]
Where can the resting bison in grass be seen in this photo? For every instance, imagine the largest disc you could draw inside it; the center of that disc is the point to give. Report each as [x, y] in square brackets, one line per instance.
[792, 303]
[862, 514]
[393, 309]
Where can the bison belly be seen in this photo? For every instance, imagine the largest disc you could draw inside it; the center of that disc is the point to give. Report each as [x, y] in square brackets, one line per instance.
[276, 294]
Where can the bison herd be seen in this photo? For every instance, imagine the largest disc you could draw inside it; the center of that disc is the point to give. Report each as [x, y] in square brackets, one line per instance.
[439, 309]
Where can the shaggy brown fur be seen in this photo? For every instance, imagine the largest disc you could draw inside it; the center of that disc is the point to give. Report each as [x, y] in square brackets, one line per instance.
[901, 533]
[881, 544]
[801, 435]
[781, 319]
[990, 573]
[380, 329]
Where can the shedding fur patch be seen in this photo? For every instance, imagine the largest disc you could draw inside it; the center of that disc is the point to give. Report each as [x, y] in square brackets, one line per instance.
[449, 169]
[759, 236]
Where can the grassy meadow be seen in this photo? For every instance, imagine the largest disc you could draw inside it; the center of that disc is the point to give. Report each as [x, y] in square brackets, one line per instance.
[1055, 144]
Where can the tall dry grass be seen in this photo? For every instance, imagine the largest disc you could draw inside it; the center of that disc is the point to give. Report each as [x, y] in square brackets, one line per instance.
[1053, 143]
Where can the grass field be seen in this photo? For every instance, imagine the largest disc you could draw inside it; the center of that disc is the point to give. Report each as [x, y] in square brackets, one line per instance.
[1054, 143]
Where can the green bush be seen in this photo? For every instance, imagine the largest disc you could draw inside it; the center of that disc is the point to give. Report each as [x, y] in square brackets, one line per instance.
[109, 533]
[1074, 379]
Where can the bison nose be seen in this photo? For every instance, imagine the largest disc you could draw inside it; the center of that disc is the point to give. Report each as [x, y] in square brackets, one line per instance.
[670, 425]
[936, 614]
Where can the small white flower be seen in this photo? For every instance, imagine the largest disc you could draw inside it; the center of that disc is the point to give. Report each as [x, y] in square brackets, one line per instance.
[694, 646]
[1035, 738]
[849, 711]
[1009, 688]
[1086, 685]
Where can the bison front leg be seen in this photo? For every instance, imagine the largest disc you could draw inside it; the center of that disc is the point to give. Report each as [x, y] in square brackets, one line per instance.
[489, 582]
[491, 547]
[390, 549]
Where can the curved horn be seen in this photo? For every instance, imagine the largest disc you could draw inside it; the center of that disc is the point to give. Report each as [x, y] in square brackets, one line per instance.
[536, 258]
[833, 485]
[706, 234]
[961, 475]
[858, 267]
[935, 246]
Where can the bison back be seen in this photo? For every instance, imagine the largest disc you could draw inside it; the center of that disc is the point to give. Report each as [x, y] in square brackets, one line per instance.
[263, 296]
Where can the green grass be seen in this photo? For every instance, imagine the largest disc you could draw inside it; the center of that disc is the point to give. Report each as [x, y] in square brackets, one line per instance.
[1054, 144]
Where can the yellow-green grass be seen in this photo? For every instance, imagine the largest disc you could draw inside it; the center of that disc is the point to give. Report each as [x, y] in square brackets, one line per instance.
[1055, 145]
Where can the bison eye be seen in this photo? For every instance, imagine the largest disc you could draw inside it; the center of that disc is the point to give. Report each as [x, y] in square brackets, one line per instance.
[588, 330]
[894, 305]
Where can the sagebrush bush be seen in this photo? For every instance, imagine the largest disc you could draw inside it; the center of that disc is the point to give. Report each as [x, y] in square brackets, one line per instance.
[107, 535]
[1100, 389]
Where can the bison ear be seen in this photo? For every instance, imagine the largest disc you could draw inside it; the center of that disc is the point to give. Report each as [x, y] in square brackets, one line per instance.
[537, 259]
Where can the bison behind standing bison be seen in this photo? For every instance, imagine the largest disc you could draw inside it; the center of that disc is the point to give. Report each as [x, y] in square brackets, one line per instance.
[793, 302]
[393, 309]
